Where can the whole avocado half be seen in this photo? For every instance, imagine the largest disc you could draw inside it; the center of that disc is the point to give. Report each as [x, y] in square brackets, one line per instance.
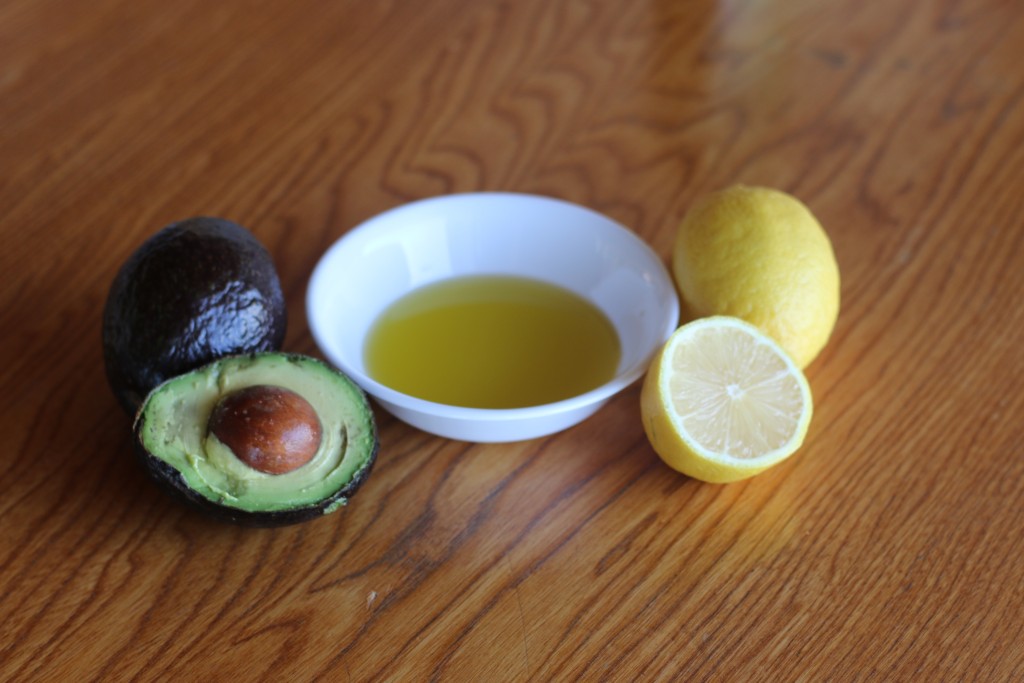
[197, 290]
[179, 451]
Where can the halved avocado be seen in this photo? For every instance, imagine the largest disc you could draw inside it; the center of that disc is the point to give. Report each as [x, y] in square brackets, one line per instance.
[176, 438]
[196, 291]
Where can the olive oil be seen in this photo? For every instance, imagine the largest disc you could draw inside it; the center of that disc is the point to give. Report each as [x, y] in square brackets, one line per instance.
[492, 341]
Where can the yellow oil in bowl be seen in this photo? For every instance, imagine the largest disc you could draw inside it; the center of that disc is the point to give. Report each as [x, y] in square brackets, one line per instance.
[492, 341]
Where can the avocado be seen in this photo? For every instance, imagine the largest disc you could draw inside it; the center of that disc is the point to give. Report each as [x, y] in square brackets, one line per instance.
[211, 438]
[195, 291]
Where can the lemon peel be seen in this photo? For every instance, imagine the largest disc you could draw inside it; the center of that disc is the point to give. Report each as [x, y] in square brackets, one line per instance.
[760, 254]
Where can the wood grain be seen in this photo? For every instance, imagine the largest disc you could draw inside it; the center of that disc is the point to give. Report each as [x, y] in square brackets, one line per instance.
[887, 549]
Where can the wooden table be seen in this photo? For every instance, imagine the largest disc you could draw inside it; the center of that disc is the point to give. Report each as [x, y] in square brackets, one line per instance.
[889, 548]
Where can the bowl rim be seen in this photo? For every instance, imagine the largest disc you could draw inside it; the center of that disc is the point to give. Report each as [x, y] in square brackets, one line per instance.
[407, 402]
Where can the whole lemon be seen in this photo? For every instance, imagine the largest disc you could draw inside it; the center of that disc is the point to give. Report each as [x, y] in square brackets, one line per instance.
[759, 254]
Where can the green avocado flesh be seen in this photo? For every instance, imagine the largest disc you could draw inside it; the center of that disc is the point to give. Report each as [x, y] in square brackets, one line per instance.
[173, 428]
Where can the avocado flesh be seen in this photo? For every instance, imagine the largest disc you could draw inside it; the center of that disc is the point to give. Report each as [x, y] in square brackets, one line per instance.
[172, 427]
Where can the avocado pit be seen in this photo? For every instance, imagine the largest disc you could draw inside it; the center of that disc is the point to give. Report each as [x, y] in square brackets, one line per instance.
[269, 428]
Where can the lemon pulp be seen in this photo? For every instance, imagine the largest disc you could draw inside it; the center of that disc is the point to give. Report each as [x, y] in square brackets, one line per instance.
[492, 341]
[733, 394]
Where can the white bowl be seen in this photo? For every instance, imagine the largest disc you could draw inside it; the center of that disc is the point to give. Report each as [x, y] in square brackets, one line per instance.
[494, 234]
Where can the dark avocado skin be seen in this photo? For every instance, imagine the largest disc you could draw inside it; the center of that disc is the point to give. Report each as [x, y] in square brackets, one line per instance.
[171, 481]
[197, 290]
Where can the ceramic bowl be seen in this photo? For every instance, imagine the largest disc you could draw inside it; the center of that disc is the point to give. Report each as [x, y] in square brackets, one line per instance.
[490, 233]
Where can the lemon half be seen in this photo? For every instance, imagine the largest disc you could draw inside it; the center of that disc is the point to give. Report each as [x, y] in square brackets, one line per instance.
[722, 401]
